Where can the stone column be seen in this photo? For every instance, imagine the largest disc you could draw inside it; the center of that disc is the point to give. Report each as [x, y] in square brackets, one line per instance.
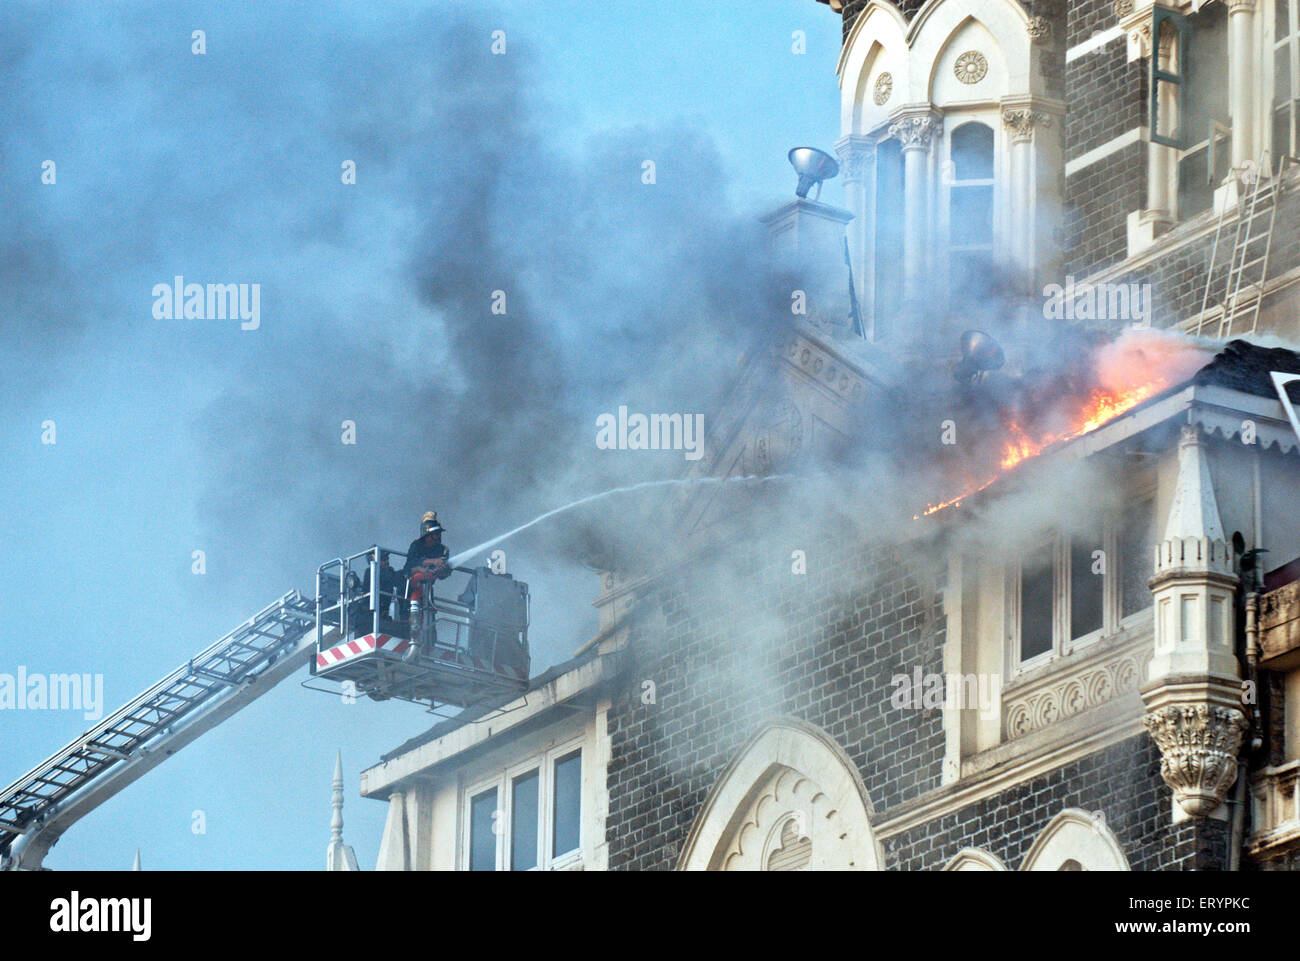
[916, 132]
[858, 166]
[1020, 123]
[1241, 81]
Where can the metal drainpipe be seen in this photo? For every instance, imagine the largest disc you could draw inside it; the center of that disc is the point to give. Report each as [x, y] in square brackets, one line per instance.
[1254, 742]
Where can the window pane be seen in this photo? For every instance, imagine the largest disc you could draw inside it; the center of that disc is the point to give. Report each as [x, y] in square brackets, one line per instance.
[482, 832]
[568, 803]
[1282, 25]
[1036, 603]
[1282, 131]
[1086, 587]
[972, 152]
[1282, 74]
[971, 217]
[1194, 190]
[1137, 541]
[523, 822]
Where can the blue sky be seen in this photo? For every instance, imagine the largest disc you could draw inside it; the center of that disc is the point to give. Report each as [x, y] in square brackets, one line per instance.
[178, 436]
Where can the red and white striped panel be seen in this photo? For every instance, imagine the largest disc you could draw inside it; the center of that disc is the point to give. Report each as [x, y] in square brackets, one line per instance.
[362, 645]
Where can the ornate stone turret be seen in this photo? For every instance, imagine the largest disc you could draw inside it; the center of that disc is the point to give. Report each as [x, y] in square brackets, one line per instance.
[1193, 688]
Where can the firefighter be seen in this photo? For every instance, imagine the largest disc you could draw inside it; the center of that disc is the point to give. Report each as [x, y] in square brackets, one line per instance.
[390, 586]
[426, 561]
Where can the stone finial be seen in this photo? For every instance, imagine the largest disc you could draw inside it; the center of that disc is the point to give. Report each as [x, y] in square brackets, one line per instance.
[339, 856]
[1195, 511]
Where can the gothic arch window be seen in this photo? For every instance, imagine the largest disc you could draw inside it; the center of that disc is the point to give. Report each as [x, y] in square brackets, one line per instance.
[1076, 840]
[974, 859]
[791, 800]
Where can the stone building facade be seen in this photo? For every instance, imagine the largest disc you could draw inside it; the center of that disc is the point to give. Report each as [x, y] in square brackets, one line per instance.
[935, 696]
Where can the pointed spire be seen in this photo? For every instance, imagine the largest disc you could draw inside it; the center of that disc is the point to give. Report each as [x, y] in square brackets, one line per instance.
[339, 856]
[136, 866]
[1194, 512]
[336, 801]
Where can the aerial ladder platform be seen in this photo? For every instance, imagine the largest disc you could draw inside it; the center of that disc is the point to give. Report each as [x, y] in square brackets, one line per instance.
[356, 633]
[38, 807]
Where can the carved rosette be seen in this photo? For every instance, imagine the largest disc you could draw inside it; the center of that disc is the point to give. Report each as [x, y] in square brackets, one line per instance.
[915, 133]
[1198, 752]
[883, 89]
[1040, 29]
[1021, 122]
[971, 67]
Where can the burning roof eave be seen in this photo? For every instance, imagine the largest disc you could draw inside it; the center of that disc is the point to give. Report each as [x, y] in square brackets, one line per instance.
[1216, 409]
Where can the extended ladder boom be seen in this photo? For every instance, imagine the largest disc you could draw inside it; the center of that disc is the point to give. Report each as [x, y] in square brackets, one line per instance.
[208, 688]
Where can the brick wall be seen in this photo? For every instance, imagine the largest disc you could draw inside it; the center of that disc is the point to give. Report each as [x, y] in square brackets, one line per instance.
[846, 628]
[1178, 275]
[1121, 782]
[858, 618]
[1097, 202]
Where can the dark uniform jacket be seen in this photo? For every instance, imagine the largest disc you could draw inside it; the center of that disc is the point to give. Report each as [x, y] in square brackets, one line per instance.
[419, 551]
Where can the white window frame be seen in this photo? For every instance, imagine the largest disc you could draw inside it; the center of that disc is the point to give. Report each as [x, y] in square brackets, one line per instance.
[947, 181]
[1272, 44]
[503, 780]
[1063, 645]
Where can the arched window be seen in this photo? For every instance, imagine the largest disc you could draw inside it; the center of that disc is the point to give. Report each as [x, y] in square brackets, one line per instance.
[791, 800]
[1076, 840]
[970, 204]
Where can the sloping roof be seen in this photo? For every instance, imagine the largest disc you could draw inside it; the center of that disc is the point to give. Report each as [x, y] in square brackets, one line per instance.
[487, 707]
[1245, 367]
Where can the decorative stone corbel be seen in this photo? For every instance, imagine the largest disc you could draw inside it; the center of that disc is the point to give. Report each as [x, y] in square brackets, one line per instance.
[1198, 744]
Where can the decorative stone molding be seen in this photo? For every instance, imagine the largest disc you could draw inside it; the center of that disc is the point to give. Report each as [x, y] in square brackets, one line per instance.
[883, 89]
[791, 792]
[916, 132]
[778, 439]
[1039, 29]
[971, 67]
[1136, 24]
[1067, 694]
[822, 367]
[1276, 820]
[1198, 752]
[1240, 6]
[1122, 9]
[1022, 122]
[856, 155]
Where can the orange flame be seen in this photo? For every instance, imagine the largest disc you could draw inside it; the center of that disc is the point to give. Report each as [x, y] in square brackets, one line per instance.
[1099, 407]
[1134, 367]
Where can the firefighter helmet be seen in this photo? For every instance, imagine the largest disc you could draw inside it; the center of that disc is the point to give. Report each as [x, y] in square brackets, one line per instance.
[429, 523]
